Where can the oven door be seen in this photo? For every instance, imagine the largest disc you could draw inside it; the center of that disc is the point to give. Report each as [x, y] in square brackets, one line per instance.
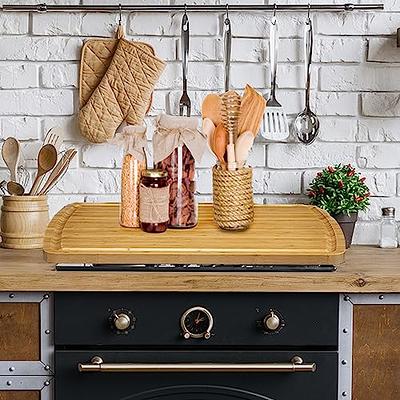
[194, 375]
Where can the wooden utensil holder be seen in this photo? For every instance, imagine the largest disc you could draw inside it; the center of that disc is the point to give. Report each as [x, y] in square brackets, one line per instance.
[23, 221]
[233, 198]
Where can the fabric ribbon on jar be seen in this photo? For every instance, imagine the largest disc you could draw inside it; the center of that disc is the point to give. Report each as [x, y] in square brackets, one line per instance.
[177, 145]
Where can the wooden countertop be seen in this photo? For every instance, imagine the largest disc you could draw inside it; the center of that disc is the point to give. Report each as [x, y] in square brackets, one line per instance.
[366, 270]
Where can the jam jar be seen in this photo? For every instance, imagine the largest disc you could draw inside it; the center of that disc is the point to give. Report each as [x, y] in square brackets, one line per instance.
[154, 201]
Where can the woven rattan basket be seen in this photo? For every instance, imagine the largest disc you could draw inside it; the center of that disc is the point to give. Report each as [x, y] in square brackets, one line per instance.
[233, 198]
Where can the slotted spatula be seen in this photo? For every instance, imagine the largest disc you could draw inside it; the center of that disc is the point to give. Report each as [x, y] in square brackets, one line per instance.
[275, 125]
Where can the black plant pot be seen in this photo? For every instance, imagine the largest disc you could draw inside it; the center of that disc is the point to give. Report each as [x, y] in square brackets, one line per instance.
[347, 223]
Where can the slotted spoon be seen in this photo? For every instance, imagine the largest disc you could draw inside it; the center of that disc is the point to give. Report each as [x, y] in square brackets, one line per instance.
[275, 122]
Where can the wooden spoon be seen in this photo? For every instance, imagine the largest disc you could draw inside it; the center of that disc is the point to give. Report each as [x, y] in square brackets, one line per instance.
[15, 188]
[58, 171]
[211, 108]
[47, 159]
[219, 143]
[242, 147]
[11, 153]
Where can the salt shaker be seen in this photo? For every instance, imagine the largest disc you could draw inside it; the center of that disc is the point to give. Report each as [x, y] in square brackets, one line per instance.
[388, 229]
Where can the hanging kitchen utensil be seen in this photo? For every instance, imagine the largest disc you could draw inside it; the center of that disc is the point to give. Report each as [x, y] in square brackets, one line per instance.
[227, 49]
[47, 159]
[306, 124]
[11, 153]
[275, 122]
[184, 101]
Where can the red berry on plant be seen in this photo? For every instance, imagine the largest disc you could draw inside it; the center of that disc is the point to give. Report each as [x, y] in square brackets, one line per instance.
[340, 184]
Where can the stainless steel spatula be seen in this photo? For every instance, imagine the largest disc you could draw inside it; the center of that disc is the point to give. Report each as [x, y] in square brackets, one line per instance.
[275, 125]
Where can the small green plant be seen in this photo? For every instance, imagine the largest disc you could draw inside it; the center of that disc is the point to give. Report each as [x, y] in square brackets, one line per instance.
[339, 189]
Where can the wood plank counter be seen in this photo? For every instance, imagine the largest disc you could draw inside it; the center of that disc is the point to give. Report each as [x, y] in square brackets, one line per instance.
[366, 270]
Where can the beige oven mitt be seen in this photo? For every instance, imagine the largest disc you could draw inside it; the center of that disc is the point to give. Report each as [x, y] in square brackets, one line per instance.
[116, 83]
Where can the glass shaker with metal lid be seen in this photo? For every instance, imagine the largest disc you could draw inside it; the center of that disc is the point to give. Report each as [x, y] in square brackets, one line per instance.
[388, 239]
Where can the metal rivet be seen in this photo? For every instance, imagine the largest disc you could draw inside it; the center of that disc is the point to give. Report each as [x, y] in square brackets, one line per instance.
[9, 383]
[344, 394]
[381, 297]
[345, 330]
[344, 362]
[346, 298]
[11, 369]
[46, 296]
[47, 331]
[47, 383]
[11, 295]
[47, 367]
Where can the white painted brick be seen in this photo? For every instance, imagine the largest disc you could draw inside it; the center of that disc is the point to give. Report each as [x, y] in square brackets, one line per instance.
[59, 75]
[86, 181]
[258, 181]
[337, 129]
[382, 23]
[285, 199]
[317, 155]
[383, 50]
[200, 76]
[291, 76]
[374, 211]
[341, 23]
[366, 233]
[13, 23]
[257, 155]
[365, 79]
[340, 50]
[292, 101]
[159, 102]
[381, 183]
[204, 181]
[282, 182]
[164, 24]
[203, 49]
[257, 24]
[378, 130]
[36, 102]
[18, 76]
[57, 202]
[68, 124]
[22, 128]
[164, 47]
[254, 74]
[77, 24]
[102, 156]
[335, 103]
[380, 104]
[249, 50]
[40, 49]
[208, 160]
[307, 177]
[383, 155]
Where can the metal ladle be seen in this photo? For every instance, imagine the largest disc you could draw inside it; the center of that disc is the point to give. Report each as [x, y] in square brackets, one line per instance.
[306, 124]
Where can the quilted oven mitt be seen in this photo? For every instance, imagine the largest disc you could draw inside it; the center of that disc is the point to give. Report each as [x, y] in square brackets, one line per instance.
[124, 91]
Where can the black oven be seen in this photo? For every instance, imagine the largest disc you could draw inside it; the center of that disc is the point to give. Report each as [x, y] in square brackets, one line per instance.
[197, 346]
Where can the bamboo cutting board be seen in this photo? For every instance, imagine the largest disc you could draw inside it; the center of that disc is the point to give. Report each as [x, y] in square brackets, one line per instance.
[280, 234]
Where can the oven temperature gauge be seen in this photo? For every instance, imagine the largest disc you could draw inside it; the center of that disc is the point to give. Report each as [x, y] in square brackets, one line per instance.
[197, 323]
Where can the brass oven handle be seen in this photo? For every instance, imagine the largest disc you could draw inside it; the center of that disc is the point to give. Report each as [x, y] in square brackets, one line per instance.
[295, 365]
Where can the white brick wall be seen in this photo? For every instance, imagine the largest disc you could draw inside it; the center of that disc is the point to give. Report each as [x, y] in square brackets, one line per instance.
[355, 91]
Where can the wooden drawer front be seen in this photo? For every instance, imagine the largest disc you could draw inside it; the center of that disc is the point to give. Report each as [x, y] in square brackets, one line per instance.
[20, 332]
[376, 352]
[20, 395]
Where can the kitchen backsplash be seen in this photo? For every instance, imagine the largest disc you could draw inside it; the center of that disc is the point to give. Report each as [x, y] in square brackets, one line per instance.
[355, 92]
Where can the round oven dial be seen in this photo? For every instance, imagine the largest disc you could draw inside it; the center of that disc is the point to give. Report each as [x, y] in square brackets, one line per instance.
[197, 323]
[122, 320]
[272, 322]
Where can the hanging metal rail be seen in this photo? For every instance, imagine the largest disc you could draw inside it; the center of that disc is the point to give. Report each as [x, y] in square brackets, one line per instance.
[42, 8]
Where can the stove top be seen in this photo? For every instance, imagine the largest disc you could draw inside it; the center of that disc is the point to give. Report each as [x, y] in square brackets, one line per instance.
[194, 268]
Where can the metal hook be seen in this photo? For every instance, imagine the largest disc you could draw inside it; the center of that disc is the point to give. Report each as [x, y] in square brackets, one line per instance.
[227, 21]
[308, 12]
[275, 8]
[227, 11]
[120, 15]
[185, 8]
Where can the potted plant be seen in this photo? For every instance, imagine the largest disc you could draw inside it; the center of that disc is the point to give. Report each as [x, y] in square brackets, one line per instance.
[342, 192]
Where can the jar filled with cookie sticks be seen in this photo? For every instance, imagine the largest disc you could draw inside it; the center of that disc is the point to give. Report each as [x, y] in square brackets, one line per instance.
[133, 141]
[178, 145]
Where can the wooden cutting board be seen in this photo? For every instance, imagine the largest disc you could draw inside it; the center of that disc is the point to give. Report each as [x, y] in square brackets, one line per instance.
[280, 234]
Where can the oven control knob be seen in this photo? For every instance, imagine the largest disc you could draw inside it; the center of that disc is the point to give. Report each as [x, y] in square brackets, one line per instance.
[122, 321]
[272, 322]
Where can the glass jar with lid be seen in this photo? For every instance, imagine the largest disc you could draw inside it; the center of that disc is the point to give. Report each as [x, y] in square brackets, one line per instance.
[154, 201]
[388, 239]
